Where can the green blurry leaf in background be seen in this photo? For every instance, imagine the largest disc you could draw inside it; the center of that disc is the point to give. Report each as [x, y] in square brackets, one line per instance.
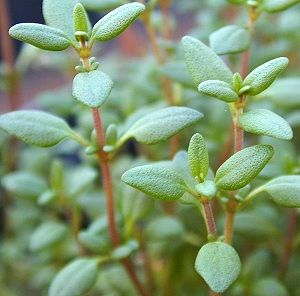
[278, 5]
[75, 279]
[103, 5]
[219, 264]
[230, 39]
[58, 14]
[47, 235]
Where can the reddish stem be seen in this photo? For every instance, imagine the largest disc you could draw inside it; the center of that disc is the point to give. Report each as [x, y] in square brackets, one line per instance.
[110, 204]
[289, 243]
[211, 225]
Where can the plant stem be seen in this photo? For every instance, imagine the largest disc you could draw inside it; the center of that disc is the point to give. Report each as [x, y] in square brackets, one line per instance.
[289, 243]
[110, 204]
[107, 182]
[209, 216]
[228, 231]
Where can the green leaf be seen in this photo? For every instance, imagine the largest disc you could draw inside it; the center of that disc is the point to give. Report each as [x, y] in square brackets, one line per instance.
[75, 279]
[125, 250]
[36, 128]
[242, 167]
[47, 235]
[81, 19]
[92, 88]
[285, 92]
[198, 159]
[58, 14]
[117, 21]
[218, 89]
[24, 184]
[265, 122]
[203, 63]
[148, 129]
[157, 181]
[268, 286]
[230, 39]
[41, 36]
[263, 76]
[102, 5]
[164, 229]
[278, 5]
[219, 264]
[284, 190]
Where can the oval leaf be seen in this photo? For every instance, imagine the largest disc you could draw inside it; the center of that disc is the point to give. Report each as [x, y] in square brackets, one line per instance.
[81, 19]
[58, 14]
[219, 264]
[230, 39]
[41, 36]
[285, 190]
[203, 63]
[218, 89]
[92, 88]
[156, 181]
[265, 122]
[242, 167]
[263, 76]
[117, 21]
[278, 5]
[148, 129]
[75, 279]
[198, 157]
[35, 127]
[47, 235]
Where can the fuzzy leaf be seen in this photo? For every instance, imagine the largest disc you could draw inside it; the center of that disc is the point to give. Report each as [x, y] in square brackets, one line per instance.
[162, 124]
[35, 127]
[92, 88]
[75, 279]
[242, 167]
[41, 36]
[218, 89]
[285, 190]
[157, 181]
[230, 39]
[58, 14]
[207, 188]
[263, 76]
[81, 19]
[219, 264]
[278, 5]
[265, 122]
[203, 63]
[47, 235]
[117, 21]
[102, 5]
[198, 157]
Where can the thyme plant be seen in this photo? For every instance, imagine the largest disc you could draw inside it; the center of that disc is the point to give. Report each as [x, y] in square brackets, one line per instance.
[195, 177]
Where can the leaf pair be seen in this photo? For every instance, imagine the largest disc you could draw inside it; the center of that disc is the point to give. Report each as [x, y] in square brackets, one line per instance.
[214, 78]
[59, 34]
